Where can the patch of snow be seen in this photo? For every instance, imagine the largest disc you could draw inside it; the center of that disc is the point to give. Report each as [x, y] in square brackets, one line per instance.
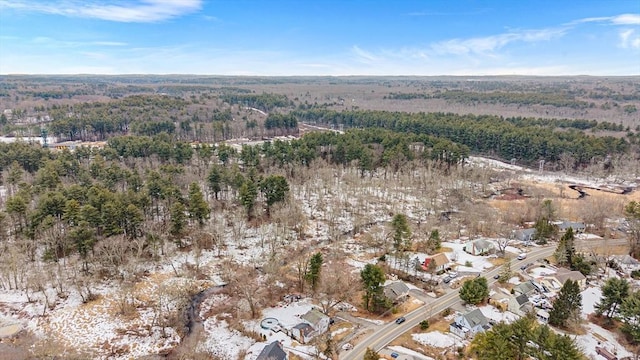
[589, 342]
[435, 339]
[223, 342]
[288, 315]
[590, 297]
[541, 271]
[415, 354]
[339, 331]
[494, 314]
[514, 280]
[478, 263]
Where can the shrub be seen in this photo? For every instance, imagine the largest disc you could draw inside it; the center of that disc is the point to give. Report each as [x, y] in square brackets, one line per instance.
[424, 324]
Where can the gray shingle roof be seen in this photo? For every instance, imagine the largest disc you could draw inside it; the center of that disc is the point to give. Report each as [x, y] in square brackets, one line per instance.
[272, 351]
[475, 318]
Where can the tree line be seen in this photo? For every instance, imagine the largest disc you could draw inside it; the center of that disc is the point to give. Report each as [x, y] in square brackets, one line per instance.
[483, 134]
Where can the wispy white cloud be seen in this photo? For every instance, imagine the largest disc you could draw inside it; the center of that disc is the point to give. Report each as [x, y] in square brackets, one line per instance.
[626, 19]
[127, 11]
[489, 44]
[629, 39]
[55, 43]
[622, 19]
[363, 55]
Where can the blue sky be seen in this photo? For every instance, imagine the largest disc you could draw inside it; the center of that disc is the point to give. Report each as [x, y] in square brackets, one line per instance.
[305, 37]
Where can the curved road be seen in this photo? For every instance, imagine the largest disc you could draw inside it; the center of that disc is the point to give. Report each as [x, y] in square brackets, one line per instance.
[389, 332]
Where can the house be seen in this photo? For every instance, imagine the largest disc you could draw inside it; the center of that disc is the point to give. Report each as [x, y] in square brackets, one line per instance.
[479, 247]
[272, 351]
[519, 304]
[396, 291]
[524, 288]
[525, 235]
[440, 260]
[469, 324]
[302, 332]
[318, 321]
[563, 275]
[577, 227]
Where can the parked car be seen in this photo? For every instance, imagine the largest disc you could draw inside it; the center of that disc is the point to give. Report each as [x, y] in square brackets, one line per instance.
[446, 280]
[453, 274]
[395, 355]
[400, 320]
[522, 256]
[496, 276]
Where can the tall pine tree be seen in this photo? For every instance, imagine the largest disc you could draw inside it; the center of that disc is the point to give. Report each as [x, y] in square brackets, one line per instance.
[567, 305]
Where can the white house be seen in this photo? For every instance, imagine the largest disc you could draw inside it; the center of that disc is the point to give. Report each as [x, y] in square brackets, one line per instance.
[469, 324]
[302, 332]
[441, 262]
[317, 320]
[314, 323]
[479, 247]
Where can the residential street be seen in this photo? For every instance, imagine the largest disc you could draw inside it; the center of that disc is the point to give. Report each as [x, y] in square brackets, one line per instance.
[389, 332]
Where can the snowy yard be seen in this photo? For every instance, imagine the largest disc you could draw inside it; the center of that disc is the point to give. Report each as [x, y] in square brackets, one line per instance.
[436, 339]
[494, 314]
[589, 342]
[590, 297]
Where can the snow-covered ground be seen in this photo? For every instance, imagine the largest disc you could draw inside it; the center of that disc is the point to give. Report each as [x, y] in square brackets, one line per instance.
[460, 257]
[590, 297]
[288, 315]
[514, 280]
[436, 339]
[588, 342]
[494, 314]
[541, 271]
[415, 354]
[223, 342]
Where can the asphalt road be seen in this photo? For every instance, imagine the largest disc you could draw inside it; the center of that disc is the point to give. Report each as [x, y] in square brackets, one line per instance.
[389, 332]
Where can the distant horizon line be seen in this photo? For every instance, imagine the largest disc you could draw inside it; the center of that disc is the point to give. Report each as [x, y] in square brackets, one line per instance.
[321, 76]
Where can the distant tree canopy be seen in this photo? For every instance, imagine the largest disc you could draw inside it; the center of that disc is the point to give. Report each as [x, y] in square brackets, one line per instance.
[265, 102]
[482, 134]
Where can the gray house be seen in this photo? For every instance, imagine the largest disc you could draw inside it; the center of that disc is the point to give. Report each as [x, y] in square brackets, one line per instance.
[525, 235]
[524, 288]
[396, 291]
[578, 227]
[519, 305]
[469, 324]
[272, 351]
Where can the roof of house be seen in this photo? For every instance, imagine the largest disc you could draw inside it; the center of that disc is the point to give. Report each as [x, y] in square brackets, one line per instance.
[304, 328]
[475, 318]
[525, 232]
[272, 351]
[522, 299]
[524, 287]
[483, 244]
[440, 259]
[565, 225]
[395, 289]
[314, 316]
[562, 277]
